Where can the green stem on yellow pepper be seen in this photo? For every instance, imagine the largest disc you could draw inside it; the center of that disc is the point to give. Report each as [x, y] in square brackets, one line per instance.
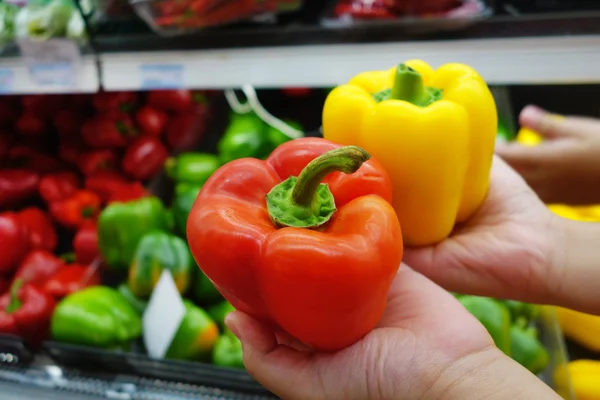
[305, 202]
[409, 86]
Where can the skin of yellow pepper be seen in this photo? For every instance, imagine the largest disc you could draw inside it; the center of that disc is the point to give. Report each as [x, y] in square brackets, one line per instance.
[438, 155]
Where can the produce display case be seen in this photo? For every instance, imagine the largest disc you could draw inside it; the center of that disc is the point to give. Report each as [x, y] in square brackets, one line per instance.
[305, 35]
[137, 365]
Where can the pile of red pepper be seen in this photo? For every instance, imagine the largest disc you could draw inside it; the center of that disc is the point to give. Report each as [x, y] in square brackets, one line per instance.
[63, 158]
[32, 277]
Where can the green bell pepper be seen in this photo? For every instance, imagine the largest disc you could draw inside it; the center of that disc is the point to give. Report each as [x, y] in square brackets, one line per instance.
[204, 290]
[155, 252]
[185, 196]
[504, 133]
[219, 311]
[122, 225]
[246, 136]
[521, 312]
[196, 336]
[527, 350]
[192, 167]
[97, 316]
[137, 303]
[276, 137]
[228, 351]
[493, 315]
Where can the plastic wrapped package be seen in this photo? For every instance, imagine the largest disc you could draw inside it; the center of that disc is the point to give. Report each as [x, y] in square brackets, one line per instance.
[433, 13]
[175, 17]
[40, 20]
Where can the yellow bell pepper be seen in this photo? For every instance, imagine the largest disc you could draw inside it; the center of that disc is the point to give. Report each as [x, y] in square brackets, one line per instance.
[433, 131]
[580, 327]
[586, 214]
[585, 379]
[527, 137]
[565, 211]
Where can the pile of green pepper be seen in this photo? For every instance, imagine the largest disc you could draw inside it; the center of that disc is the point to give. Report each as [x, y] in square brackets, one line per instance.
[512, 326]
[140, 239]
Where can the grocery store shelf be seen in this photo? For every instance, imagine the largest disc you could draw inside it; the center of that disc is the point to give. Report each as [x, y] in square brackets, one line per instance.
[16, 77]
[520, 60]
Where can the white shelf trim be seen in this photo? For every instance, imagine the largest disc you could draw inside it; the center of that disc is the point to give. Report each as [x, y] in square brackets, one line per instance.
[540, 60]
[86, 80]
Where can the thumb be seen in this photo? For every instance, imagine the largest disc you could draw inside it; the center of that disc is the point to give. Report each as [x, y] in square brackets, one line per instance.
[546, 124]
[283, 370]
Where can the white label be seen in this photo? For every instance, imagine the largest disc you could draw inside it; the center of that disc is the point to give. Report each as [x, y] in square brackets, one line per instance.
[161, 76]
[163, 316]
[7, 80]
[53, 62]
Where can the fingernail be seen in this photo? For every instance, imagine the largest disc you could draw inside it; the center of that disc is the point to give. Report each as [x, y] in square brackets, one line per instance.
[232, 322]
[532, 115]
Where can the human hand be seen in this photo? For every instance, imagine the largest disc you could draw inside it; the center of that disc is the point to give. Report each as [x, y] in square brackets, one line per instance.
[510, 248]
[565, 167]
[426, 346]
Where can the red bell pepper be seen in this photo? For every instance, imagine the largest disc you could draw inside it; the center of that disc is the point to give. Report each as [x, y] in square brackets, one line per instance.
[70, 151]
[4, 284]
[144, 158]
[38, 266]
[71, 279]
[297, 91]
[78, 210]
[26, 311]
[6, 141]
[85, 244]
[44, 106]
[105, 183]
[17, 186]
[67, 122]
[30, 124]
[131, 191]
[14, 241]
[315, 258]
[151, 121]
[96, 161]
[58, 185]
[8, 111]
[42, 234]
[111, 101]
[175, 100]
[186, 129]
[30, 158]
[111, 130]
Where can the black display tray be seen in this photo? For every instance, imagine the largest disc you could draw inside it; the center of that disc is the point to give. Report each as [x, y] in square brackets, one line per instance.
[13, 350]
[131, 363]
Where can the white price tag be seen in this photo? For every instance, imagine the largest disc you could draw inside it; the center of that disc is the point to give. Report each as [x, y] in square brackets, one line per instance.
[161, 76]
[7, 80]
[162, 316]
[53, 62]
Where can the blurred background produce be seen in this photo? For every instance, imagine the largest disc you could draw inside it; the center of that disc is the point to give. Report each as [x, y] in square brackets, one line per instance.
[95, 188]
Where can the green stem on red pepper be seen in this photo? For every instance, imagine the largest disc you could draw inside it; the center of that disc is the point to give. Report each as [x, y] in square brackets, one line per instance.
[305, 202]
[15, 303]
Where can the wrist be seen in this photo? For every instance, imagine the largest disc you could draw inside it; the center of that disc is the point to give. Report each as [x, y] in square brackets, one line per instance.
[575, 265]
[492, 375]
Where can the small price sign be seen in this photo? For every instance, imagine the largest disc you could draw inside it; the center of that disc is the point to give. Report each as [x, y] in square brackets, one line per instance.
[162, 316]
[161, 76]
[53, 62]
[7, 80]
